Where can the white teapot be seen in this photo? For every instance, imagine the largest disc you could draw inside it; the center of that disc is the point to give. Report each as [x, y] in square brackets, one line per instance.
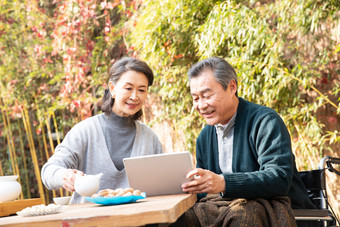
[87, 185]
[10, 189]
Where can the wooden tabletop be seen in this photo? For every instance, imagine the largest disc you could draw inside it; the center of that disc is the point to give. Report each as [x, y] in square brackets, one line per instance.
[156, 209]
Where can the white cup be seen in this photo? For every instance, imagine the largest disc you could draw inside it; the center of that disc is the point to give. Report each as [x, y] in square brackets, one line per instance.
[87, 185]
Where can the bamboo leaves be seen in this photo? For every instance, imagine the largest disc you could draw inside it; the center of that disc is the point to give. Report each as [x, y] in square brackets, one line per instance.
[276, 48]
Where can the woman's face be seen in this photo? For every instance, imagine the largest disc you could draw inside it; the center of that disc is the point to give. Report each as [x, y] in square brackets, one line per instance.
[129, 93]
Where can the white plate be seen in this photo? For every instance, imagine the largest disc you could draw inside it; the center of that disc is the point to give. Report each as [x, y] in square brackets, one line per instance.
[40, 210]
[116, 199]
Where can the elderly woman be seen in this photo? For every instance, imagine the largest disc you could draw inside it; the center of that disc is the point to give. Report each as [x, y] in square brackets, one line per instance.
[100, 143]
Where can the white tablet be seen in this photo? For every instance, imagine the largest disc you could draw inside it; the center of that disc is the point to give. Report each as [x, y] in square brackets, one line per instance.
[159, 174]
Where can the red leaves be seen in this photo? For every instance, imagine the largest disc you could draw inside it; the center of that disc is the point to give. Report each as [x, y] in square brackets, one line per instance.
[63, 45]
[178, 56]
[76, 103]
[39, 31]
[13, 82]
[38, 131]
[128, 13]
[16, 110]
[332, 120]
[108, 5]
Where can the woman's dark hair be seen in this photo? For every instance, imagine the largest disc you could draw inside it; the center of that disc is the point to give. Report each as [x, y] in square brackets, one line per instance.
[117, 70]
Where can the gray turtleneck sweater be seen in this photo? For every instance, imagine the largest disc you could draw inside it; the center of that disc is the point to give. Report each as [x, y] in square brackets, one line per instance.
[123, 128]
[98, 145]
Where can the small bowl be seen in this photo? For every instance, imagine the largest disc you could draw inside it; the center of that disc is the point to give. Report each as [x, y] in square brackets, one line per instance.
[62, 200]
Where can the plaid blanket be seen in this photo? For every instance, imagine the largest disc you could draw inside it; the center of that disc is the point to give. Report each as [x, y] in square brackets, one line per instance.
[214, 211]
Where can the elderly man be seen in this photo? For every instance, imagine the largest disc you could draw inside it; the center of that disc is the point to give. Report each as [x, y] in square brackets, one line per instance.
[243, 155]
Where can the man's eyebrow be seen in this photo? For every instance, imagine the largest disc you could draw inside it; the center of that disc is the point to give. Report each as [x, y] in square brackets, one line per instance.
[202, 92]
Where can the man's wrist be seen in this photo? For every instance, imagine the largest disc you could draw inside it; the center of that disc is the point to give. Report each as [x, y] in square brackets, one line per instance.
[223, 185]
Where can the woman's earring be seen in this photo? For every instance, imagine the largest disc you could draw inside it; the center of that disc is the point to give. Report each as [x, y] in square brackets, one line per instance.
[112, 90]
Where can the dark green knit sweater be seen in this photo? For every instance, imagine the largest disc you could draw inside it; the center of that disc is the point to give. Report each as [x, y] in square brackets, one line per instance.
[263, 163]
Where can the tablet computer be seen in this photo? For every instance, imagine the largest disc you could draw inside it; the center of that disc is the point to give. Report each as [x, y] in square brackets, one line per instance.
[159, 174]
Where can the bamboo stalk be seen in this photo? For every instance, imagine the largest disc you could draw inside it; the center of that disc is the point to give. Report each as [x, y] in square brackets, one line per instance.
[33, 152]
[52, 144]
[56, 127]
[41, 158]
[15, 161]
[58, 142]
[50, 136]
[46, 191]
[45, 144]
[13, 150]
[10, 143]
[25, 164]
[7, 135]
[47, 157]
[1, 172]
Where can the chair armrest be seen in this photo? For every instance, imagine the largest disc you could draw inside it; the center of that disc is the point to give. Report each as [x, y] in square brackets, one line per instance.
[312, 214]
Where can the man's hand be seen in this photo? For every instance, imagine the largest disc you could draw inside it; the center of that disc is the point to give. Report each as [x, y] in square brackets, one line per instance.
[69, 178]
[204, 181]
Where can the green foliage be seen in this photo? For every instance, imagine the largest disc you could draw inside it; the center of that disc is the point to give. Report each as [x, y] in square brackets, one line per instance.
[55, 56]
[164, 33]
[282, 51]
[54, 61]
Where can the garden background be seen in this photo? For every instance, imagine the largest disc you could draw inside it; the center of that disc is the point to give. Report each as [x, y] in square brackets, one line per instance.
[55, 56]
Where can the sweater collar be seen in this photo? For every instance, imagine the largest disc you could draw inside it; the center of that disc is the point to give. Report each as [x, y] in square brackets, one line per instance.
[224, 129]
[119, 121]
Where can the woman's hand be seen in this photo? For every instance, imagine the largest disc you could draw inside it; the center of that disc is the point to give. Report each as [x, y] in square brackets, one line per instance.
[204, 181]
[69, 178]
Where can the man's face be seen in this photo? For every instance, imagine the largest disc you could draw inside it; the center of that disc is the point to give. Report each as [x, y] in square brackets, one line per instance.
[213, 103]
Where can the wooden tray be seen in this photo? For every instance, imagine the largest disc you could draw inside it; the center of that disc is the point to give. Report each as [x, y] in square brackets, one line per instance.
[8, 208]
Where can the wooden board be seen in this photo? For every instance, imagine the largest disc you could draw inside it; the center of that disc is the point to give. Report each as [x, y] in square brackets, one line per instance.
[8, 208]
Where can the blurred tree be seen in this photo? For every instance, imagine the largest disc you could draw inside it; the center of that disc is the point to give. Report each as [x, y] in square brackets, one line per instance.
[53, 68]
[281, 51]
[55, 56]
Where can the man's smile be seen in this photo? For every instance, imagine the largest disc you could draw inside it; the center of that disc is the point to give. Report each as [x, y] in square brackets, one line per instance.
[208, 113]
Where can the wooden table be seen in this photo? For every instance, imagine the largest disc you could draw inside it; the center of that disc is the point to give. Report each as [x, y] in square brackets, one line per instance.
[11, 207]
[156, 209]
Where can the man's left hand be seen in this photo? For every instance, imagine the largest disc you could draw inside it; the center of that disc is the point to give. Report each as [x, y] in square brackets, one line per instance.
[204, 181]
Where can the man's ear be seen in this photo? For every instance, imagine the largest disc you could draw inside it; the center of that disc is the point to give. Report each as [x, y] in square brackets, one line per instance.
[233, 86]
[112, 89]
